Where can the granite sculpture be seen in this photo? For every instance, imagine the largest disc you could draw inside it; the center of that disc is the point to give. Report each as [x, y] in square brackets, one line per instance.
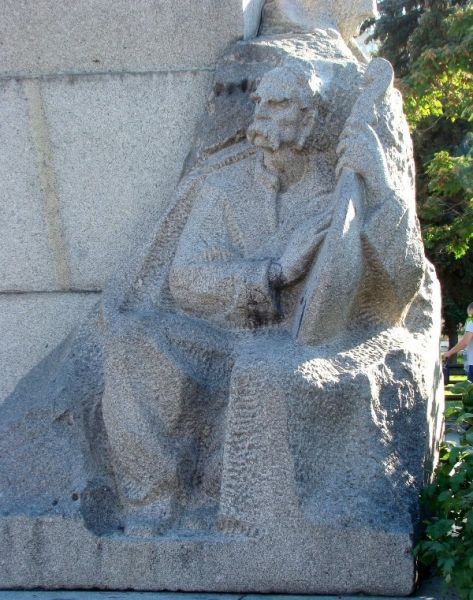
[253, 405]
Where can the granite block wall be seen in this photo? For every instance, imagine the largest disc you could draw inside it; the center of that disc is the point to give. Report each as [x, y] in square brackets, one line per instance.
[98, 104]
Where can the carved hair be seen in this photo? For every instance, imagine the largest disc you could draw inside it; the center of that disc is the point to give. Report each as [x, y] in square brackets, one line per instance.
[300, 80]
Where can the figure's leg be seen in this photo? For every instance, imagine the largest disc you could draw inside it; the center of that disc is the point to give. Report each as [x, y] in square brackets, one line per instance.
[166, 377]
[144, 409]
[257, 488]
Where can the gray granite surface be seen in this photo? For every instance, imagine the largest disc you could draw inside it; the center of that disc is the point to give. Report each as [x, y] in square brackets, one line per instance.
[31, 326]
[119, 145]
[430, 589]
[254, 404]
[41, 37]
[99, 101]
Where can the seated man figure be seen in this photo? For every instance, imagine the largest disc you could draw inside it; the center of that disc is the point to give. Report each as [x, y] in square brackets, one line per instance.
[216, 417]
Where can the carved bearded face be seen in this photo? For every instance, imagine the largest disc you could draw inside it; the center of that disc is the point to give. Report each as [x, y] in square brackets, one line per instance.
[284, 111]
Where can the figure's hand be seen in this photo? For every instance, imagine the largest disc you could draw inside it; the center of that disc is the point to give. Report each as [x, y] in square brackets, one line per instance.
[360, 150]
[297, 257]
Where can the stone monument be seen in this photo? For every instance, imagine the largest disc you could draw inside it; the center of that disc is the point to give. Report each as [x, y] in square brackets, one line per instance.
[253, 405]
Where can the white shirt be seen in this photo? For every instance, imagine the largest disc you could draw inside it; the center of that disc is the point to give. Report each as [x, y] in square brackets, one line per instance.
[469, 348]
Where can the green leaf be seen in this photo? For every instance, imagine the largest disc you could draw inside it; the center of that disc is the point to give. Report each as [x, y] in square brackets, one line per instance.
[444, 496]
[465, 417]
[452, 411]
[440, 528]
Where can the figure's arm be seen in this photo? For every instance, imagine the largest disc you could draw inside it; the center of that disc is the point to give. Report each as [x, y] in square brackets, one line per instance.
[390, 235]
[392, 245]
[209, 275]
[360, 150]
[300, 251]
[228, 286]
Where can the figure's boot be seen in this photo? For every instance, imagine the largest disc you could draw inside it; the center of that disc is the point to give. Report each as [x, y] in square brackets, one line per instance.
[149, 504]
[143, 406]
[152, 518]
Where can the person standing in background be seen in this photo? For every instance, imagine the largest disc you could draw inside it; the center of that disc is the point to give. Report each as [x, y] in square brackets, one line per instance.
[465, 343]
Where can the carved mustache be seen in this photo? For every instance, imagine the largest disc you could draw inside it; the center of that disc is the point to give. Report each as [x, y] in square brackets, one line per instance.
[259, 129]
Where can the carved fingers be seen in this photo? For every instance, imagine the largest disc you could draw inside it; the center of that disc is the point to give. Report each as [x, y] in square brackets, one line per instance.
[360, 150]
[357, 142]
[300, 251]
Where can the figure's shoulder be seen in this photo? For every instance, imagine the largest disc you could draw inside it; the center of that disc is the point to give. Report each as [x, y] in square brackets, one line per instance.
[228, 165]
[215, 178]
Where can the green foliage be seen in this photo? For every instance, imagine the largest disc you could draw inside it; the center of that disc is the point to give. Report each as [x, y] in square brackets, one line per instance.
[439, 86]
[448, 543]
[430, 44]
[448, 208]
[398, 20]
[440, 79]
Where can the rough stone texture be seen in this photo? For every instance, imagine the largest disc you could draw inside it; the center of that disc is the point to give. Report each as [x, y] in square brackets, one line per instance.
[307, 15]
[429, 590]
[32, 325]
[119, 144]
[26, 261]
[39, 36]
[46, 50]
[211, 425]
[252, 10]
[198, 564]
